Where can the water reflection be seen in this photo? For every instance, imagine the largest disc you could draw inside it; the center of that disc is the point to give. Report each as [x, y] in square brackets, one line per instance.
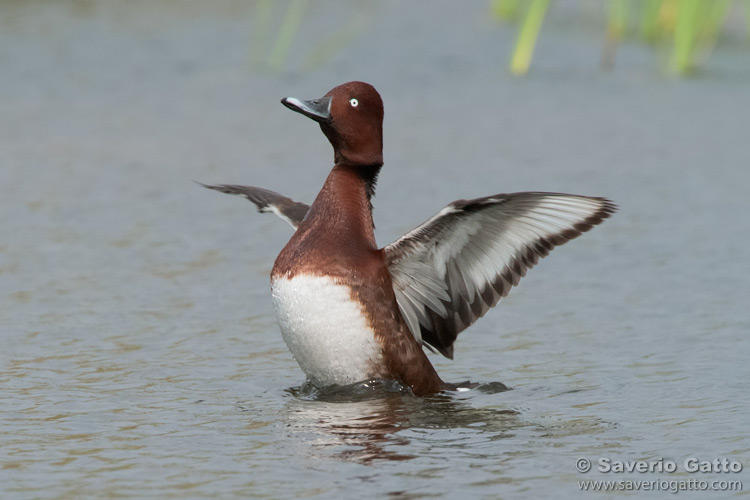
[376, 421]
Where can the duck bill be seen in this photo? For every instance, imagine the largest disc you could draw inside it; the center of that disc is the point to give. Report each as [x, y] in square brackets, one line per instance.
[317, 109]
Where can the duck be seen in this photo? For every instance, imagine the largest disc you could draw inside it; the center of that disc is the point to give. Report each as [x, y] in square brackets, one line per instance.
[350, 311]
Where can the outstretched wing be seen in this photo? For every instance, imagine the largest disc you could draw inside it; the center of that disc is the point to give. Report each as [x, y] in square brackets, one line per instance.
[451, 270]
[267, 201]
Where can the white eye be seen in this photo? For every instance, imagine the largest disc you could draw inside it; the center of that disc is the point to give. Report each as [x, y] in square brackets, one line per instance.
[354, 102]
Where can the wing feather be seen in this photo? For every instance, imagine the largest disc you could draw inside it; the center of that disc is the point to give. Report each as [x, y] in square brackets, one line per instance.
[267, 201]
[451, 270]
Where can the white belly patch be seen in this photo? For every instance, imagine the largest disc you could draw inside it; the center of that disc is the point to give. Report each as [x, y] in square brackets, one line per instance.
[325, 330]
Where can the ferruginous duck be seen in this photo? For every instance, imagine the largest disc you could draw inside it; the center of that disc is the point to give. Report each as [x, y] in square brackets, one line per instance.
[350, 311]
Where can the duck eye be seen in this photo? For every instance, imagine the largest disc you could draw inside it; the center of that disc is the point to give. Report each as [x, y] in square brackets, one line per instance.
[354, 102]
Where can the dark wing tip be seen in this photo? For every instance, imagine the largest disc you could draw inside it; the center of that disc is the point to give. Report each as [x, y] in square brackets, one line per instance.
[447, 351]
[607, 209]
[266, 201]
[208, 186]
[261, 197]
[226, 188]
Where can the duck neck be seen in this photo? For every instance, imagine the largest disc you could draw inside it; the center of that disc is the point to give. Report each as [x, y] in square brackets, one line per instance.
[361, 147]
[344, 204]
[366, 174]
[360, 157]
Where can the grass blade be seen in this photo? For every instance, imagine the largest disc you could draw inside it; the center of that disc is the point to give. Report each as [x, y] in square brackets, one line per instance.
[650, 20]
[713, 20]
[685, 31]
[261, 22]
[505, 9]
[325, 50]
[617, 24]
[289, 27]
[524, 50]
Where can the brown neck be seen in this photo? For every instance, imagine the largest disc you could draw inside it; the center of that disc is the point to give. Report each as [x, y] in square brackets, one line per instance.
[336, 237]
[343, 204]
[356, 147]
[374, 157]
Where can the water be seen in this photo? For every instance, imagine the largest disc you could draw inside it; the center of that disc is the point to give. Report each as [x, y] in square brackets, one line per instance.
[140, 355]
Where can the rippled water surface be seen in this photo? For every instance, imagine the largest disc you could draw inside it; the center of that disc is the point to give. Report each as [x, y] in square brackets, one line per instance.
[140, 356]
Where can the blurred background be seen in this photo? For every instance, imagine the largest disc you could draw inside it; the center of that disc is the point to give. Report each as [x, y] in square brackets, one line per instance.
[140, 351]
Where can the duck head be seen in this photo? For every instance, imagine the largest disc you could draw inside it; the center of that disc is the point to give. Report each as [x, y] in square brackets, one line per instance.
[351, 117]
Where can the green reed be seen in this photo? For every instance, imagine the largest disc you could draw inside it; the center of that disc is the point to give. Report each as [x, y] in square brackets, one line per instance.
[529, 32]
[275, 58]
[295, 12]
[617, 25]
[688, 28]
